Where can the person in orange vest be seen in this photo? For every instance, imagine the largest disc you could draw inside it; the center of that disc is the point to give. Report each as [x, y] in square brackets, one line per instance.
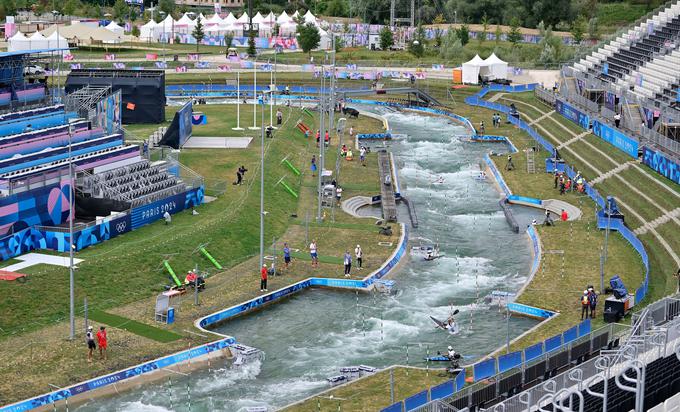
[263, 278]
[585, 304]
[564, 215]
[103, 342]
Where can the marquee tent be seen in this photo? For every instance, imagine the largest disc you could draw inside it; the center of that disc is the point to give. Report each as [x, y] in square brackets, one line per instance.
[283, 18]
[214, 20]
[84, 34]
[115, 28]
[497, 68]
[150, 31]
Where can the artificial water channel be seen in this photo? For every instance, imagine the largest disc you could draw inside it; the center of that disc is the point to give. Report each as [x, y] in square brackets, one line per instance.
[308, 337]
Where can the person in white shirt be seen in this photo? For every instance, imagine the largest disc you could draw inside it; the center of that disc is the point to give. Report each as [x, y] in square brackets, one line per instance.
[167, 217]
[359, 255]
[313, 253]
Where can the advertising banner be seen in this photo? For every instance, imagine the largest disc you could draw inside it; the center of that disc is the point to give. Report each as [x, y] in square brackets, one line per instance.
[572, 114]
[616, 138]
[662, 165]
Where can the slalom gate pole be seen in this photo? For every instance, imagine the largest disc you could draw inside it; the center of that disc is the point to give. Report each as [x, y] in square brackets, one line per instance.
[210, 258]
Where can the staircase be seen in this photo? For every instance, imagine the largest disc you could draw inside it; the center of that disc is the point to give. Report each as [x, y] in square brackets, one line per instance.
[616, 170]
[675, 213]
[531, 165]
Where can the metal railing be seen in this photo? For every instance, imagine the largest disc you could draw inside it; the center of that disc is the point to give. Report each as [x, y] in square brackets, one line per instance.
[655, 334]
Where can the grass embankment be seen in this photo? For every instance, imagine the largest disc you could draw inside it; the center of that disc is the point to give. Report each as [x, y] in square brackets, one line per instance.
[373, 393]
[123, 276]
[653, 186]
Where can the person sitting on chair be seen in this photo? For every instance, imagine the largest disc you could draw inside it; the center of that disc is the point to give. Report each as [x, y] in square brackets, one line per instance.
[190, 279]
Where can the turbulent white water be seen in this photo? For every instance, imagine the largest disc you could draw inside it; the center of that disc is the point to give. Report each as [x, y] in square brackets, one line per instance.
[310, 336]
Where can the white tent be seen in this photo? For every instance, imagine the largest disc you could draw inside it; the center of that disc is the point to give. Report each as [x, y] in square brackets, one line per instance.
[115, 28]
[325, 40]
[496, 67]
[258, 19]
[214, 20]
[83, 34]
[283, 18]
[38, 41]
[230, 19]
[243, 19]
[202, 17]
[185, 20]
[18, 42]
[270, 19]
[309, 17]
[287, 28]
[56, 41]
[166, 26]
[150, 31]
[295, 15]
[471, 70]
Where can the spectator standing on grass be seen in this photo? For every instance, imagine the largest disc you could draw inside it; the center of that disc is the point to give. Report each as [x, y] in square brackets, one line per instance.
[313, 166]
[362, 156]
[585, 304]
[314, 254]
[91, 346]
[279, 117]
[167, 217]
[351, 133]
[617, 120]
[360, 255]
[102, 339]
[286, 255]
[510, 165]
[481, 128]
[348, 263]
[592, 300]
[263, 278]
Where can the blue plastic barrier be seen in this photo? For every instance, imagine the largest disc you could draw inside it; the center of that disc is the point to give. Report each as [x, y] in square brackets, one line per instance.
[553, 343]
[415, 401]
[616, 138]
[395, 407]
[533, 351]
[516, 198]
[497, 175]
[442, 390]
[570, 335]
[484, 369]
[460, 380]
[509, 361]
[584, 328]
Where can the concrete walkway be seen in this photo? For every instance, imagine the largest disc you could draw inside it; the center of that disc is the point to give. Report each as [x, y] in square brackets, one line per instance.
[618, 169]
[568, 142]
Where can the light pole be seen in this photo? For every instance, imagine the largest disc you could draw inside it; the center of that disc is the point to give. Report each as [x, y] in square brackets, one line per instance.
[72, 209]
[603, 255]
[262, 212]
[321, 142]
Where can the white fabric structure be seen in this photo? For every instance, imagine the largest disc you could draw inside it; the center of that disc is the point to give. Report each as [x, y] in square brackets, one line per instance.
[56, 41]
[167, 25]
[18, 42]
[258, 18]
[38, 41]
[310, 18]
[288, 28]
[115, 28]
[83, 34]
[150, 31]
[283, 18]
[472, 70]
[214, 20]
[185, 20]
[202, 17]
[243, 19]
[496, 67]
[230, 19]
[295, 15]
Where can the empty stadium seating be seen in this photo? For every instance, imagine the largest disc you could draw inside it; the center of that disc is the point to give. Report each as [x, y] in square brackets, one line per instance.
[141, 182]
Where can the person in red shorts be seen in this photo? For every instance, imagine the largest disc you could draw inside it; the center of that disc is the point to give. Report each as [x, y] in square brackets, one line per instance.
[564, 216]
[103, 342]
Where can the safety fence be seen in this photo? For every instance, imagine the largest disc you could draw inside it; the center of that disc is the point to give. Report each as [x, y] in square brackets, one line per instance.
[494, 376]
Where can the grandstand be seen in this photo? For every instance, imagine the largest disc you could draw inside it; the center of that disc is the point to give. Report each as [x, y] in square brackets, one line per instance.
[638, 76]
[45, 146]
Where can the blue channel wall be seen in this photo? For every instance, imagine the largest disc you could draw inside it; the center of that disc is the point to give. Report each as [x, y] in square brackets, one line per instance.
[259, 301]
[110, 379]
[476, 100]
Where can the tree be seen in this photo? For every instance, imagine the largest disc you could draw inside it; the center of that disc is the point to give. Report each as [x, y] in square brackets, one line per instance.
[417, 46]
[336, 8]
[386, 38]
[498, 34]
[167, 6]
[135, 30]
[578, 29]
[439, 19]
[463, 33]
[485, 29]
[252, 51]
[70, 7]
[198, 32]
[120, 10]
[308, 37]
[276, 29]
[514, 35]
[451, 47]
[593, 29]
[339, 43]
[132, 12]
